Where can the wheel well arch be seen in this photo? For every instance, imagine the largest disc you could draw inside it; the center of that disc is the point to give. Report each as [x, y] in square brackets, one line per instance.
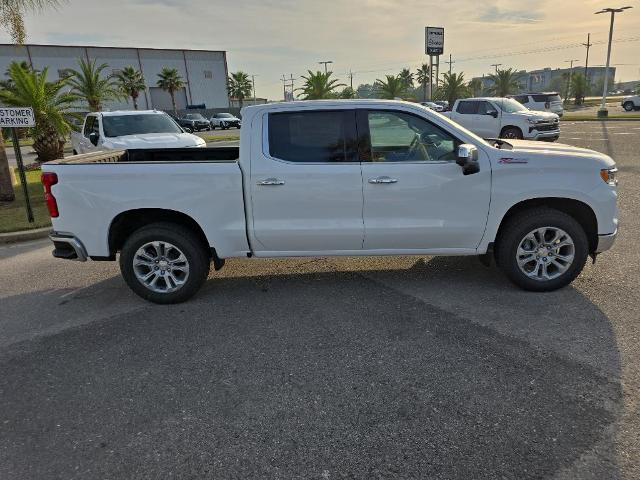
[580, 211]
[127, 222]
[511, 126]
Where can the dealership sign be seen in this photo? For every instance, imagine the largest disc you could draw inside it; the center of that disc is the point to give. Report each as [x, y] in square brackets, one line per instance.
[17, 117]
[434, 40]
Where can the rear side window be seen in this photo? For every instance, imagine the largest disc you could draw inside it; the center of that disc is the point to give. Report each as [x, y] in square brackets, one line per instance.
[313, 137]
[88, 126]
[468, 108]
[546, 98]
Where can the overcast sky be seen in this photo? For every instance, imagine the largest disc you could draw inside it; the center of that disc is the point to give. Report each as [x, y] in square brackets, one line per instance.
[371, 37]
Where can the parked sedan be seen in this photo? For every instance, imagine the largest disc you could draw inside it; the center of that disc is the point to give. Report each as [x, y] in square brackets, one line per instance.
[194, 122]
[432, 106]
[224, 121]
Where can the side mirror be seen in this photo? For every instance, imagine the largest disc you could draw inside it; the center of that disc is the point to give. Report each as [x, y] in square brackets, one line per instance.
[468, 159]
[93, 138]
[493, 113]
[188, 130]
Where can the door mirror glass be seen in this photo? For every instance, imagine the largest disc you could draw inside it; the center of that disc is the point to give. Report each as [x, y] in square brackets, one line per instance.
[468, 159]
[93, 138]
[188, 130]
[493, 113]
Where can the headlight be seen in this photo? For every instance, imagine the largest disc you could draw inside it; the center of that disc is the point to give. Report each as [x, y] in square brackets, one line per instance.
[532, 120]
[610, 176]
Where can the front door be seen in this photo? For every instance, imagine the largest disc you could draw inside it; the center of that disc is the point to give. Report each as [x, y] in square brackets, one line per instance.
[415, 195]
[486, 122]
[306, 183]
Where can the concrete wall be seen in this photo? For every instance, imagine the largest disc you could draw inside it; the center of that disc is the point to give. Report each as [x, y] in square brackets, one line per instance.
[205, 72]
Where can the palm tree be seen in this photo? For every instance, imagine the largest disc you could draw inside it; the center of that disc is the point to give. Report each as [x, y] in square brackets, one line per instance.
[239, 86]
[392, 87]
[578, 87]
[90, 85]
[475, 87]
[171, 81]
[407, 78]
[131, 82]
[52, 108]
[11, 12]
[423, 77]
[504, 82]
[319, 85]
[453, 87]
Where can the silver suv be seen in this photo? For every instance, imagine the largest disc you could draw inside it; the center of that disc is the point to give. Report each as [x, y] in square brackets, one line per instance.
[541, 102]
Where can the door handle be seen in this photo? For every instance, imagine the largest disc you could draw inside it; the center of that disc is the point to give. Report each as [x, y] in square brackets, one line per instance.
[271, 181]
[383, 179]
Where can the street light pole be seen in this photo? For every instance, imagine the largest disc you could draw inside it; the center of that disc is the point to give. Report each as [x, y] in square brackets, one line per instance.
[570, 75]
[496, 65]
[325, 65]
[253, 84]
[603, 112]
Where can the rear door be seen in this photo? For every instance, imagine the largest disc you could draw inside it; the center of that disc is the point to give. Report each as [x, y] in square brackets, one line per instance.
[415, 195]
[306, 183]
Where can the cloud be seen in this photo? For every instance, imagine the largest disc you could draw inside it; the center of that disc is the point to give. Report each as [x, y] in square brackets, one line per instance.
[498, 15]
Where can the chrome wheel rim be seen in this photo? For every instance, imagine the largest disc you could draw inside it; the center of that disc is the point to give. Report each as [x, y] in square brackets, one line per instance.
[545, 253]
[161, 267]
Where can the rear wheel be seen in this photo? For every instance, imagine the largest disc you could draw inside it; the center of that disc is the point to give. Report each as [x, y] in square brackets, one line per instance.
[164, 263]
[629, 106]
[542, 249]
[513, 133]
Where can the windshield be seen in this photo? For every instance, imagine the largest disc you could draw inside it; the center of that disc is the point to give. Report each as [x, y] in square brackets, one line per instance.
[119, 126]
[224, 115]
[509, 105]
[194, 116]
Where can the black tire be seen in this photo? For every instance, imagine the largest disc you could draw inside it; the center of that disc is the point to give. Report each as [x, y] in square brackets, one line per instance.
[515, 231]
[629, 106]
[513, 133]
[74, 153]
[184, 239]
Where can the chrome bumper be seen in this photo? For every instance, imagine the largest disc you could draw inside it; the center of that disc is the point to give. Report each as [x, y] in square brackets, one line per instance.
[605, 242]
[68, 247]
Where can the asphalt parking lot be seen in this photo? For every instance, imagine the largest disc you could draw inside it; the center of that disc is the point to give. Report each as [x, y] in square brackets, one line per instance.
[411, 367]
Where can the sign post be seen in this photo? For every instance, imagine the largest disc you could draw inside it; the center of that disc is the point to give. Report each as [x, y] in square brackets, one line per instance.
[14, 118]
[434, 47]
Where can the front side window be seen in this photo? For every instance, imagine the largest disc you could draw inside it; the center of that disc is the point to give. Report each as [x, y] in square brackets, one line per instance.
[312, 137]
[403, 137]
[467, 108]
[95, 127]
[138, 124]
[485, 108]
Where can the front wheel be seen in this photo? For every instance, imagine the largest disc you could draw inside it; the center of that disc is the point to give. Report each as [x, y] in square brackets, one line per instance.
[542, 249]
[513, 133]
[629, 106]
[164, 263]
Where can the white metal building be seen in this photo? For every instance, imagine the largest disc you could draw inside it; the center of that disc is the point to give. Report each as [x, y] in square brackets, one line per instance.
[203, 71]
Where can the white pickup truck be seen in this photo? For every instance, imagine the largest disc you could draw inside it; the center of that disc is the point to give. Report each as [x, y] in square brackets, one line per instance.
[131, 129]
[341, 177]
[496, 117]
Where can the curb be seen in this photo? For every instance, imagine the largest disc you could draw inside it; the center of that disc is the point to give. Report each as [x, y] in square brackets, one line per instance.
[25, 235]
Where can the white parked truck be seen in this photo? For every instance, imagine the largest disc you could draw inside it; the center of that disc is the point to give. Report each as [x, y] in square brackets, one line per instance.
[323, 178]
[504, 118]
[131, 129]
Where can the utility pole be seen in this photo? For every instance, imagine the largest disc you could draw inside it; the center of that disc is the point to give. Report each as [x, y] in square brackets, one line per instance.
[351, 79]
[450, 62]
[325, 63]
[284, 87]
[603, 112]
[570, 75]
[253, 84]
[496, 65]
[586, 62]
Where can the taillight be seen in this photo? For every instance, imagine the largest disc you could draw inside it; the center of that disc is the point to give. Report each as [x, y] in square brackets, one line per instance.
[48, 179]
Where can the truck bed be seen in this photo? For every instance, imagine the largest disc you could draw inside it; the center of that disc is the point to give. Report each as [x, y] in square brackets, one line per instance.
[148, 155]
